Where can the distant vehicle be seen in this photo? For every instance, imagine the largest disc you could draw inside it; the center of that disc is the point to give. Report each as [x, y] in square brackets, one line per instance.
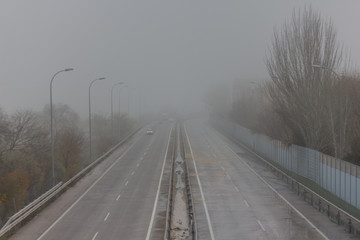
[149, 131]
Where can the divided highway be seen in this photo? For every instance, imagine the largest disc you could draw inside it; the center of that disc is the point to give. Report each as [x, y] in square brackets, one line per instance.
[117, 202]
[125, 197]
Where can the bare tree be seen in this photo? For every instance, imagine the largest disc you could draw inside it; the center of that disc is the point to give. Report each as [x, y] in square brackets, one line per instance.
[304, 97]
[20, 132]
[69, 146]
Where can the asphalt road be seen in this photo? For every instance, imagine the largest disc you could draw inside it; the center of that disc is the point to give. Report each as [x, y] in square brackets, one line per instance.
[117, 202]
[231, 201]
[117, 199]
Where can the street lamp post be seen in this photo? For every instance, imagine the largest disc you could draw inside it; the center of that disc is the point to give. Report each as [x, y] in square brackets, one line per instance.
[340, 107]
[112, 114]
[119, 109]
[128, 103]
[140, 100]
[98, 79]
[51, 125]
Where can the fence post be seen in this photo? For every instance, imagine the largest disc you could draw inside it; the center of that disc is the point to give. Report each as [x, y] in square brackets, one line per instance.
[356, 192]
[350, 225]
[298, 188]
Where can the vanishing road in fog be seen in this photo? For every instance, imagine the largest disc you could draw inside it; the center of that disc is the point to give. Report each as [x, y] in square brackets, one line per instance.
[121, 198]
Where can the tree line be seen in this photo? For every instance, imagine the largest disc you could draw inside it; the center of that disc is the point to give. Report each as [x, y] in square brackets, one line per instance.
[312, 96]
[25, 153]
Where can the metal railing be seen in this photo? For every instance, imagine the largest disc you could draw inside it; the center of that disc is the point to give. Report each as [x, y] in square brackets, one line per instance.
[26, 213]
[170, 189]
[319, 172]
[190, 203]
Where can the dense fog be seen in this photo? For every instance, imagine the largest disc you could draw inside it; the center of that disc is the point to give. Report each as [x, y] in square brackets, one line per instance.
[167, 52]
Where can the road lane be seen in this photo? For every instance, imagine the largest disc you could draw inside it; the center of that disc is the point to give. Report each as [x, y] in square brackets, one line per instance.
[120, 203]
[240, 205]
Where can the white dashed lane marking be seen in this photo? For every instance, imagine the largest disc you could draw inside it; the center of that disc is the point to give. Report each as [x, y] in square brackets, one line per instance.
[262, 227]
[107, 215]
[94, 237]
[118, 197]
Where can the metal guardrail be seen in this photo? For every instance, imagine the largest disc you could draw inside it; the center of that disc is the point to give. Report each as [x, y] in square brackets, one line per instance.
[170, 191]
[27, 210]
[339, 177]
[179, 141]
[97, 161]
[44, 199]
[334, 213]
[190, 203]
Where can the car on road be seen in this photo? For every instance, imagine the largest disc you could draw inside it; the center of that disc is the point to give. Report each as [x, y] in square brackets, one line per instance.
[149, 131]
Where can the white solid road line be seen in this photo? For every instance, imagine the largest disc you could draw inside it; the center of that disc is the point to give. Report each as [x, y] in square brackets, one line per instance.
[94, 237]
[107, 215]
[262, 227]
[118, 197]
[158, 191]
[201, 190]
[275, 191]
[107, 170]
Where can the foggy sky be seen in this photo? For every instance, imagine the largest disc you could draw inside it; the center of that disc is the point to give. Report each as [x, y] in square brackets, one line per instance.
[169, 50]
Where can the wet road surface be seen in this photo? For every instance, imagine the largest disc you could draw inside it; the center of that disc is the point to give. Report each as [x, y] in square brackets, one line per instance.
[238, 204]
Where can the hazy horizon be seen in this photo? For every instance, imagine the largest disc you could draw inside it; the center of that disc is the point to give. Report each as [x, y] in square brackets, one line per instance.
[170, 51]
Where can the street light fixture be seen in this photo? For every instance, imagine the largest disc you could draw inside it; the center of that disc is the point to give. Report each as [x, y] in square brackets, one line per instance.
[98, 79]
[340, 103]
[51, 125]
[112, 115]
